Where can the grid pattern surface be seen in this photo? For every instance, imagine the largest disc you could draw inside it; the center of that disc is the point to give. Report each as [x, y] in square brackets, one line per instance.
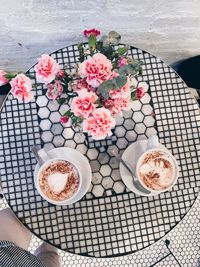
[110, 220]
[184, 243]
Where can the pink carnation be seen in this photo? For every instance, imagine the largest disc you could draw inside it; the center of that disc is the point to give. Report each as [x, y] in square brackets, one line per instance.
[88, 33]
[122, 61]
[84, 104]
[140, 92]
[21, 87]
[54, 90]
[99, 124]
[46, 69]
[3, 80]
[117, 105]
[96, 69]
[82, 84]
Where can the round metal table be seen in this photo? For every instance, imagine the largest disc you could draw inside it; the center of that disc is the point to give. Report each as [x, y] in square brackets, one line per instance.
[110, 220]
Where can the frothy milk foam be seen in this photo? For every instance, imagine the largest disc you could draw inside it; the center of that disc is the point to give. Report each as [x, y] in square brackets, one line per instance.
[57, 181]
[157, 170]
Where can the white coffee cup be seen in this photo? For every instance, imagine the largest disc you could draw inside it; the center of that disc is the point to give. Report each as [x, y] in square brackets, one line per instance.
[152, 146]
[45, 158]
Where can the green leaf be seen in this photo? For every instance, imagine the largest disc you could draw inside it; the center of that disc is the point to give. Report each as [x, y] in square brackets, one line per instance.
[104, 92]
[107, 51]
[114, 37]
[81, 52]
[76, 121]
[122, 50]
[79, 119]
[105, 88]
[133, 68]
[68, 113]
[62, 100]
[10, 75]
[107, 85]
[103, 38]
[65, 87]
[121, 80]
[113, 84]
[67, 78]
[133, 95]
[98, 101]
[71, 95]
[105, 41]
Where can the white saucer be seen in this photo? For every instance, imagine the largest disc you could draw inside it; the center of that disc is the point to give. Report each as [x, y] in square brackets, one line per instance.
[80, 162]
[131, 155]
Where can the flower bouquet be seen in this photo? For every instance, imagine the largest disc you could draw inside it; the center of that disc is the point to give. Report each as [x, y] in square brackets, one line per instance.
[102, 85]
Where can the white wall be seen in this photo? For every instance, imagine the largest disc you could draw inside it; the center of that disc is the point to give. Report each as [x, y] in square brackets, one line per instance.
[169, 29]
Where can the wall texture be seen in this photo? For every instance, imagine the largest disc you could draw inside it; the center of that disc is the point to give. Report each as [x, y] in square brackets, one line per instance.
[169, 29]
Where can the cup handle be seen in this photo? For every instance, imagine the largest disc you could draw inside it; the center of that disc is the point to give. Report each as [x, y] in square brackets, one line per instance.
[43, 155]
[152, 142]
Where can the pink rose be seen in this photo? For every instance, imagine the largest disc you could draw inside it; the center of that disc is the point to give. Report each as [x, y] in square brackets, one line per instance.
[140, 92]
[88, 33]
[64, 119]
[96, 69]
[46, 69]
[117, 105]
[54, 90]
[3, 80]
[82, 84]
[99, 124]
[21, 87]
[122, 61]
[84, 104]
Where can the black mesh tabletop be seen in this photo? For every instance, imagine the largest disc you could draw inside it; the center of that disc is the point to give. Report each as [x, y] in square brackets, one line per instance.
[110, 220]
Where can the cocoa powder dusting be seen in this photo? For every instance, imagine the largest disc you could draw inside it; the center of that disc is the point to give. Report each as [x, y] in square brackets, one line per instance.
[152, 177]
[152, 156]
[71, 186]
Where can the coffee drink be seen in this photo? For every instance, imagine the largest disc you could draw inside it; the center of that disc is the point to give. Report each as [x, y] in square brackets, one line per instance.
[59, 180]
[157, 170]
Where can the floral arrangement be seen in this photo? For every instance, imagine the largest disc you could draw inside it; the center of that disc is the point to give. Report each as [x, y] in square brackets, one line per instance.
[102, 85]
